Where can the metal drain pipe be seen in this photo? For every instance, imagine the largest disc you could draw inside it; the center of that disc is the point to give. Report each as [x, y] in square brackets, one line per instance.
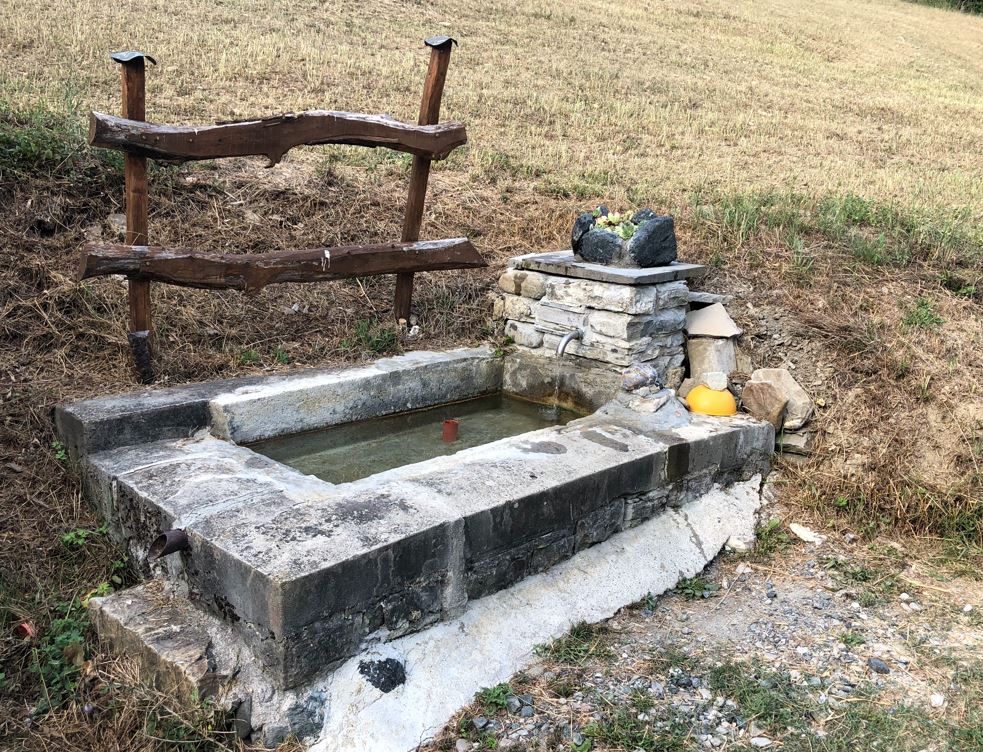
[166, 543]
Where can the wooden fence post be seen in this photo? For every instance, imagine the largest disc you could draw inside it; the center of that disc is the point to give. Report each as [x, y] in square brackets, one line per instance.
[133, 76]
[433, 89]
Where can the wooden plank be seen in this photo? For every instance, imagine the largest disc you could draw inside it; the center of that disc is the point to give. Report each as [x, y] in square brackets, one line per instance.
[133, 78]
[272, 137]
[433, 90]
[189, 268]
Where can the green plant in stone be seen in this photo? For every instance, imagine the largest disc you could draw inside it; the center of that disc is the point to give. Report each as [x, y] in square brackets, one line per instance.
[696, 587]
[615, 222]
[493, 699]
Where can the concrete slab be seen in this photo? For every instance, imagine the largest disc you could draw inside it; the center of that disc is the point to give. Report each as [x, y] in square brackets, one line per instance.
[563, 263]
[308, 402]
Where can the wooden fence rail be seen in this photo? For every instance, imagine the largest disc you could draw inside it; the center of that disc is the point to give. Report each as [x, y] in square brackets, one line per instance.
[253, 271]
[272, 137]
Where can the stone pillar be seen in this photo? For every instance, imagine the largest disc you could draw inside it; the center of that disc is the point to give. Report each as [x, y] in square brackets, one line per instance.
[622, 322]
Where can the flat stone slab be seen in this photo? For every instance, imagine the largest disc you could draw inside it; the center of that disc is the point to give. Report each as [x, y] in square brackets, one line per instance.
[563, 263]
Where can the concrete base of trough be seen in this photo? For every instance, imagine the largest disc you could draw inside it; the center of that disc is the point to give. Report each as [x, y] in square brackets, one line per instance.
[399, 692]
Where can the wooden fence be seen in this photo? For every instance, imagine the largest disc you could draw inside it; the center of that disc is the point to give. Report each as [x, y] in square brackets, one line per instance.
[142, 263]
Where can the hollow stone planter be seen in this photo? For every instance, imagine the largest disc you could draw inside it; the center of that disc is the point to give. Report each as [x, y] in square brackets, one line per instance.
[652, 244]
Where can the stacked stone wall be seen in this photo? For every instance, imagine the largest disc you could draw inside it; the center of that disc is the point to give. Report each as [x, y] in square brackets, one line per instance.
[621, 324]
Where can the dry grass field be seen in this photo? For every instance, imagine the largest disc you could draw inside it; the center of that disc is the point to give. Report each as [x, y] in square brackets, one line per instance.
[878, 98]
[826, 158]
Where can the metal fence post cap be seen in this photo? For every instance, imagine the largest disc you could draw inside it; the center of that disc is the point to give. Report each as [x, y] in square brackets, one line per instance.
[130, 55]
[439, 42]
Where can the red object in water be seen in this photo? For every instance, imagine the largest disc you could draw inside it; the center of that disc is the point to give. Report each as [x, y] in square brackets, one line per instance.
[450, 430]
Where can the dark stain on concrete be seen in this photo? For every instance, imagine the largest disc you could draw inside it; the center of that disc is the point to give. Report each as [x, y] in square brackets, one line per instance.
[544, 447]
[384, 675]
[606, 441]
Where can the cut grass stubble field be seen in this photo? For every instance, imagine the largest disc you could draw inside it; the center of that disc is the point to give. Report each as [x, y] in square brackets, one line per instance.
[823, 158]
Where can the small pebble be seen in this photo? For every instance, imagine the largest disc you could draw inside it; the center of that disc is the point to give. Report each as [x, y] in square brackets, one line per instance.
[878, 666]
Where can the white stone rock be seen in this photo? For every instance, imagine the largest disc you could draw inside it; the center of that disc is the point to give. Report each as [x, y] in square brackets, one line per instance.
[525, 283]
[667, 321]
[685, 387]
[712, 321]
[968, 608]
[708, 354]
[498, 308]
[716, 380]
[741, 544]
[602, 295]
[799, 408]
[765, 402]
[524, 334]
[516, 307]
[672, 294]
[618, 325]
[937, 700]
[803, 533]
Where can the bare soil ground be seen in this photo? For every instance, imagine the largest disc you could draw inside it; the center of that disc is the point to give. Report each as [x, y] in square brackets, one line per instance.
[823, 158]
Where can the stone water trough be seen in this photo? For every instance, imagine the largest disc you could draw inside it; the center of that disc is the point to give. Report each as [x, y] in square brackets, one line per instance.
[362, 610]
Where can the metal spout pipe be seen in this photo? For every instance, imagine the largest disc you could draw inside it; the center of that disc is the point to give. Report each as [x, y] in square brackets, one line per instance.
[567, 338]
[166, 543]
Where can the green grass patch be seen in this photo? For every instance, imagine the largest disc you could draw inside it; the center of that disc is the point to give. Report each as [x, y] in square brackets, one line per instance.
[962, 6]
[623, 730]
[922, 316]
[373, 336]
[41, 143]
[583, 641]
[671, 656]
[874, 587]
[771, 539]
[764, 694]
[874, 233]
[59, 654]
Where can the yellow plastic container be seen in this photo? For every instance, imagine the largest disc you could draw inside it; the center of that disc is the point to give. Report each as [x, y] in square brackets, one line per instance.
[702, 399]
